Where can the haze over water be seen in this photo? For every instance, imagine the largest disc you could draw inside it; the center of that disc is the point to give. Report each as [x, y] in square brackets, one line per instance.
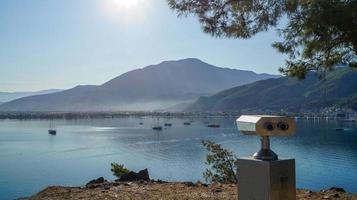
[82, 150]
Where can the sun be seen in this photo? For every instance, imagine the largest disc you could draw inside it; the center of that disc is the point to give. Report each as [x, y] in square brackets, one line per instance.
[127, 4]
[125, 11]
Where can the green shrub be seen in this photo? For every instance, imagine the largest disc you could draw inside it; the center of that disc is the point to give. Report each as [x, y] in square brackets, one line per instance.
[222, 163]
[118, 169]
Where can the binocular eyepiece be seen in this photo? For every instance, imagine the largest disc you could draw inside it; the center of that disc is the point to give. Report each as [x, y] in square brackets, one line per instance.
[282, 126]
[269, 126]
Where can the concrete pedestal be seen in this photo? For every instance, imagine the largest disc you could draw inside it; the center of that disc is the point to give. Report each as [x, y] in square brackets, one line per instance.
[266, 180]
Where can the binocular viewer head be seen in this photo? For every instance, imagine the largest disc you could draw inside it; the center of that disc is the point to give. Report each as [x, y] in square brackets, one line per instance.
[266, 125]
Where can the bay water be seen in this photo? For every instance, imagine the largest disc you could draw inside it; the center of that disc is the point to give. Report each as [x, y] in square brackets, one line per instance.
[31, 159]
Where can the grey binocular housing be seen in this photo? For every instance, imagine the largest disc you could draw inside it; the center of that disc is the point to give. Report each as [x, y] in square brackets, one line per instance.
[266, 125]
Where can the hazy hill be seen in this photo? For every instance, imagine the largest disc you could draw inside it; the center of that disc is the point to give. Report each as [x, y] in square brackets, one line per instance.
[339, 87]
[153, 87]
[9, 96]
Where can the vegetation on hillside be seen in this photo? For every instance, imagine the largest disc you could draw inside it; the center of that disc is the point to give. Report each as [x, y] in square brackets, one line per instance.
[337, 88]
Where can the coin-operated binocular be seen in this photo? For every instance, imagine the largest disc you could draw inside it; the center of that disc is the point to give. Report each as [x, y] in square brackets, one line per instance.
[264, 176]
[265, 126]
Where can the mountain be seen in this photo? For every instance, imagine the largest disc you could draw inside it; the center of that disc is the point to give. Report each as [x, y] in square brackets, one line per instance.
[337, 88]
[150, 88]
[9, 96]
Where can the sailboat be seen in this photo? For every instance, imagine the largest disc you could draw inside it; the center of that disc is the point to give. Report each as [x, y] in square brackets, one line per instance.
[168, 124]
[52, 130]
[213, 125]
[157, 127]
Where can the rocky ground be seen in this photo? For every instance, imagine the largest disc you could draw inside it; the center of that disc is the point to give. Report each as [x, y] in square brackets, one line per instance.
[163, 190]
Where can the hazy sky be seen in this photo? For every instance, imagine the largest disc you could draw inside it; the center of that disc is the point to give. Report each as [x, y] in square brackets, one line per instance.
[63, 43]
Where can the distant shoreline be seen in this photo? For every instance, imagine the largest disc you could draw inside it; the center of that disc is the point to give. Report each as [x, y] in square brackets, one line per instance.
[94, 115]
[123, 114]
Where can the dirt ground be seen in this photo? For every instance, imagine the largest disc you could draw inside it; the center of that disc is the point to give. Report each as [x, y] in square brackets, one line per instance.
[169, 191]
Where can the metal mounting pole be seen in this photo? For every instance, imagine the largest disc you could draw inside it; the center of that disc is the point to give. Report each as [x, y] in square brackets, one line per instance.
[265, 153]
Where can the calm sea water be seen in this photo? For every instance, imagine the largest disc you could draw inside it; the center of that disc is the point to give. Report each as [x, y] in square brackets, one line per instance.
[31, 159]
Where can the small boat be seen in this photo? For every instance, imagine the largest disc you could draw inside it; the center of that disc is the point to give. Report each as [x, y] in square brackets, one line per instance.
[168, 124]
[213, 125]
[157, 128]
[141, 123]
[187, 123]
[339, 129]
[52, 130]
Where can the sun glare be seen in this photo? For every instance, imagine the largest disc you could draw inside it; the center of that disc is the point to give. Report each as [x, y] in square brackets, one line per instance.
[126, 10]
[126, 3]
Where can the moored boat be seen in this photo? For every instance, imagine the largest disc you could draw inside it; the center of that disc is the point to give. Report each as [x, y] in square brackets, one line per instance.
[213, 125]
[157, 128]
[52, 130]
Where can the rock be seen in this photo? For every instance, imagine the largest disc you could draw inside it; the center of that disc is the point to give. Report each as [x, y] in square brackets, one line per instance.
[160, 181]
[144, 174]
[337, 189]
[336, 195]
[189, 184]
[201, 184]
[94, 182]
[115, 184]
[133, 176]
[217, 190]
